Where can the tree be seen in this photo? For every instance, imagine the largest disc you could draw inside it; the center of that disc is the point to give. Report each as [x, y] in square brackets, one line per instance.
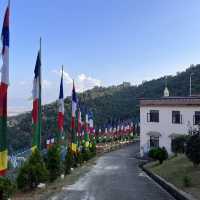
[193, 149]
[32, 172]
[68, 163]
[7, 188]
[53, 162]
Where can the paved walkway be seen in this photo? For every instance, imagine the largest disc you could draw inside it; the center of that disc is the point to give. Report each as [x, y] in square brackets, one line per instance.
[116, 176]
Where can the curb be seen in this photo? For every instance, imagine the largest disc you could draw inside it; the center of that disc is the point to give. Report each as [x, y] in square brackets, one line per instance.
[170, 188]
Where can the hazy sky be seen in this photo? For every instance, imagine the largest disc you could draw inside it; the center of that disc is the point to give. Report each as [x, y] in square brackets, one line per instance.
[99, 42]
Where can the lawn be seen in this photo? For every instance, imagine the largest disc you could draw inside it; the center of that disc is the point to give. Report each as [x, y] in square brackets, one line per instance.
[175, 169]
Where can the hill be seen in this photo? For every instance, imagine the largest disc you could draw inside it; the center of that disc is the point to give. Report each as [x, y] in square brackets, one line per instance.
[114, 102]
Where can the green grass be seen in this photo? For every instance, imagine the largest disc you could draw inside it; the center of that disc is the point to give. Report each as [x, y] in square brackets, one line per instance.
[175, 169]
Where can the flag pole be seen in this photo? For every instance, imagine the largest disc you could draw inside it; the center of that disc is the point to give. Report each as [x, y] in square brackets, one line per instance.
[40, 96]
[62, 132]
[73, 128]
[4, 83]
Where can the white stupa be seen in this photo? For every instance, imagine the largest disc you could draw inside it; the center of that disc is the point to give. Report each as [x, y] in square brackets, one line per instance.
[166, 91]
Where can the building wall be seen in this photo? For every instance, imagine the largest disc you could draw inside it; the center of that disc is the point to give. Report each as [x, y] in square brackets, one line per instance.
[164, 126]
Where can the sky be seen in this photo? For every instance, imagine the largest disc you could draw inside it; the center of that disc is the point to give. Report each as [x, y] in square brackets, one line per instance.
[99, 43]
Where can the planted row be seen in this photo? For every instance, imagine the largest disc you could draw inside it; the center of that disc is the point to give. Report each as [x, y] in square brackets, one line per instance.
[44, 168]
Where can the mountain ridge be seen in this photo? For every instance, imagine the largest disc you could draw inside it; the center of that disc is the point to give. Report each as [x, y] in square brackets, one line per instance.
[107, 104]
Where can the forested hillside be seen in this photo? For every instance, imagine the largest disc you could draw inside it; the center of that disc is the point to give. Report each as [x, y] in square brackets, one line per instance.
[115, 102]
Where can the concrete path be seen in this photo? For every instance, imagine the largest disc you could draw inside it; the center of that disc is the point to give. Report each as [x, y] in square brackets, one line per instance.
[116, 176]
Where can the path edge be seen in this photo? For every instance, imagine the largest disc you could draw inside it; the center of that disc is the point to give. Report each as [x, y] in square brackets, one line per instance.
[170, 188]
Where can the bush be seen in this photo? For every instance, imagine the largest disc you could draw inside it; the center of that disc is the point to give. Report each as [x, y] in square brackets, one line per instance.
[162, 155]
[152, 153]
[79, 157]
[32, 172]
[92, 149]
[75, 160]
[131, 137]
[159, 154]
[68, 163]
[53, 162]
[104, 140]
[193, 149]
[187, 181]
[7, 188]
[86, 154]
[178, 144]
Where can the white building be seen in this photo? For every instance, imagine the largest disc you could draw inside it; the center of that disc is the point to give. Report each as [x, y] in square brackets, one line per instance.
[165, 118]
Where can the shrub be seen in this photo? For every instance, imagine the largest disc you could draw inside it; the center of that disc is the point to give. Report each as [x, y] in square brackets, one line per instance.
[187, 181]
[86, 155]
[32, 172]
[193, 149]
[68, 163]
[152, 153]
[92, 149]
[178, 144]
[75, 160]
[162, 155]
[159, 154]
[7, 188]
[104, 140]
[131, 137]
[79, 157]
[53, 162]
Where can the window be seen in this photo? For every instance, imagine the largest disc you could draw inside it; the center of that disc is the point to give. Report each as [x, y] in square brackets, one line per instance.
[196, 118]
[154, 142]
[153, 116]
[176, 117]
